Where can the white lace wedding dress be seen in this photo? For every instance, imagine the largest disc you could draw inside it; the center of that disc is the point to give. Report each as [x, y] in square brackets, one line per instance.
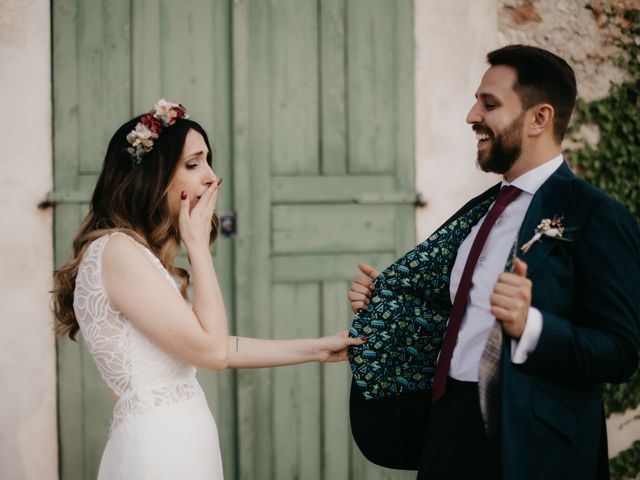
[161, 427]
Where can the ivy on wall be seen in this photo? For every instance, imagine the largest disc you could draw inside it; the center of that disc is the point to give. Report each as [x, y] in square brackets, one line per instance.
[614, 164]
[614, 167]
[626, 464]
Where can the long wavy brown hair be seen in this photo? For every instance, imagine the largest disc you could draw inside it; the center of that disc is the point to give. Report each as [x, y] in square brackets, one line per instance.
[130, 198]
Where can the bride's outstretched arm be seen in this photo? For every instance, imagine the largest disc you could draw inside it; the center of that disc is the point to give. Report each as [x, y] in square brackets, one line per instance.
[256, 353]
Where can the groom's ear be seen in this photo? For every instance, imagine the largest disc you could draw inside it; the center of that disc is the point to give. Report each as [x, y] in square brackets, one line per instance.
[539, 119]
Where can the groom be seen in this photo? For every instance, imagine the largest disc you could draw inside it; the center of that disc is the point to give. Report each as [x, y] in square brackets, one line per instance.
[489, 342]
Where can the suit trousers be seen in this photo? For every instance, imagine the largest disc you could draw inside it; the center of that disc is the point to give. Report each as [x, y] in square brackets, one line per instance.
[456, 446]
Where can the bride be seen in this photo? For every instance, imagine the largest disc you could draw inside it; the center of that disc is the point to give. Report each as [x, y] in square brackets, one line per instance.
[157, 189]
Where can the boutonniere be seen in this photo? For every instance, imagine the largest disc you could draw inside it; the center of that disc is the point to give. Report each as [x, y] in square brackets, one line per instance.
[548, 227]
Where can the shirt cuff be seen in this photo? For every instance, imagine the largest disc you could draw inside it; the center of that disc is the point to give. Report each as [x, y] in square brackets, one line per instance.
[520, 349]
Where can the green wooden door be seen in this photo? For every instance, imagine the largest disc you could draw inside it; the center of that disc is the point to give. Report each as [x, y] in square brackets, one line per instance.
[323, 129]
[309, 107]
[114, 59]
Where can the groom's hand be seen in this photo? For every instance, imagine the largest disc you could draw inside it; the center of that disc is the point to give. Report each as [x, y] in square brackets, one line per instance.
[362, 287]
[511, 299]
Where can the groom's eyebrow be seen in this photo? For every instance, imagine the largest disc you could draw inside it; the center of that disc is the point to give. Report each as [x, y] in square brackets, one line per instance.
[488, 97]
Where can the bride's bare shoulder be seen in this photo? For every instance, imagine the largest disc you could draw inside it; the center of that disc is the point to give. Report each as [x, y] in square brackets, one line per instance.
[123, 254]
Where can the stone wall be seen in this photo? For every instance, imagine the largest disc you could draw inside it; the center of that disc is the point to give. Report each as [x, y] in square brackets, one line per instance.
[580, 31]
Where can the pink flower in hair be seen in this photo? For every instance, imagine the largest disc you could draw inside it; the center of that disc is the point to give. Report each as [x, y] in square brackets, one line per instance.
[151, 123]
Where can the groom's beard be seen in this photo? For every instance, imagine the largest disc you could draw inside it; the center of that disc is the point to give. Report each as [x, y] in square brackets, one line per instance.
[506, 148]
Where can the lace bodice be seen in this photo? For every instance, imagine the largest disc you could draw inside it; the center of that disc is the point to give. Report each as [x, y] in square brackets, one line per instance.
[141, 374]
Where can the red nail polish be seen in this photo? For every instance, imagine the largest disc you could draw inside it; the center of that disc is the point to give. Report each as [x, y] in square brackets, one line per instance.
[365, 338]
[183, 195]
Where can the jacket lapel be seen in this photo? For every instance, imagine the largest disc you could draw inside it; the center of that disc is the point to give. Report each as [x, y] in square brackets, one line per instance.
[554, 198]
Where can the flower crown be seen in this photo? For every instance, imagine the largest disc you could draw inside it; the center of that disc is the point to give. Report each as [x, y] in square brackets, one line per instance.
[150, 126]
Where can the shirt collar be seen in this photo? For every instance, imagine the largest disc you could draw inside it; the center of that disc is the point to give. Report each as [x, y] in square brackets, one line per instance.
[531, 181]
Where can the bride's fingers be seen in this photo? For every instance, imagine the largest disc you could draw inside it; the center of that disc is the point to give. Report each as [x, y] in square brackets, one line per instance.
[355, 340]
[204, 203]
[347, 340]
[217, 184]
[211, 206]
[212, 198]
[337, 356]
[183, 215]
[208, 194]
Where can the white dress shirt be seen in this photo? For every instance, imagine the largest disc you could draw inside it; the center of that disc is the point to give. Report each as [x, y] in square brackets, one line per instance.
[477, 320]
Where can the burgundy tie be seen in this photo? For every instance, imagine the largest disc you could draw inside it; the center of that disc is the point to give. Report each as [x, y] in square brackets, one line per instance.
[505, 197]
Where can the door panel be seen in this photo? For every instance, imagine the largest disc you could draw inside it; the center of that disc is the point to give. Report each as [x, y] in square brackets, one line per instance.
[294, 80]
[296, 392]
[373, 36]
[332, 229]
[324, 150]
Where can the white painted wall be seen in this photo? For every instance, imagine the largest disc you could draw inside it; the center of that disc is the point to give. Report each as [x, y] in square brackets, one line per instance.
[452, 40]
[28, 438]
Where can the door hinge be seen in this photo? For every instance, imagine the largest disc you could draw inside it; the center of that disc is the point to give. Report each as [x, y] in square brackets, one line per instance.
[401, 198]
[54, 198]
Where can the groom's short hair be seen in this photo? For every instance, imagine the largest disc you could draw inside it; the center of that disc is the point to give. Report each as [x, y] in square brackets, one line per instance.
[542, 77]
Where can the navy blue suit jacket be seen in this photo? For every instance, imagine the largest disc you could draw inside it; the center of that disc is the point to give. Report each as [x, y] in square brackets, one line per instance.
[587, 289]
